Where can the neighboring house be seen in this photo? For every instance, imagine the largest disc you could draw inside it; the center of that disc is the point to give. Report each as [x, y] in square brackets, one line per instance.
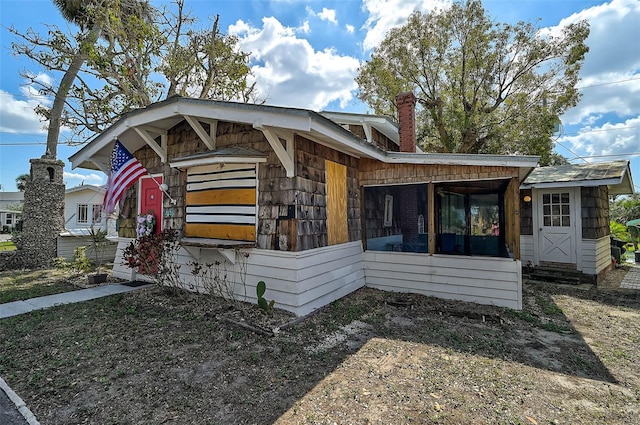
[10, 210]
[83, 212]
[319, 207]
[565, 216]
[83, 207]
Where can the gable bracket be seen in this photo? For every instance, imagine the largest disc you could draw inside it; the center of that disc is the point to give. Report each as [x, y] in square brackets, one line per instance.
[285, 154]
[206, 138]
[367, 131]
[162, 153]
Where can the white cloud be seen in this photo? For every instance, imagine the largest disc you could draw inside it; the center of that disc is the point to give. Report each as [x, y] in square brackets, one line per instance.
[611, 71]
[350, 28]
[78, 178]
[387, 14]
[18, 116]
[328, 15]
[290, 72]
[607, 139]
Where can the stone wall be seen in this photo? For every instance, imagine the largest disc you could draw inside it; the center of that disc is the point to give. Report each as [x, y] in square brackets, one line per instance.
[43, 213]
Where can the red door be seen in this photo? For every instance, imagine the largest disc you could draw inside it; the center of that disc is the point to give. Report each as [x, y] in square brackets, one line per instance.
[151, 199]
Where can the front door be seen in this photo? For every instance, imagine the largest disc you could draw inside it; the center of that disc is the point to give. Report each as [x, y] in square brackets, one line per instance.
[557, 220]
[151, 199]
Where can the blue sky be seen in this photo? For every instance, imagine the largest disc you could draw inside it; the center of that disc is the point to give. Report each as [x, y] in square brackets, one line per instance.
[306, 54]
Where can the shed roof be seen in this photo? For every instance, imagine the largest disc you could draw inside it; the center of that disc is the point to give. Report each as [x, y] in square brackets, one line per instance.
[615, 174]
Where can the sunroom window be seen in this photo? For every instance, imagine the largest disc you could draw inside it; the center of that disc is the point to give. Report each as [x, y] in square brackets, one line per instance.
[395, 218]
[470, 219]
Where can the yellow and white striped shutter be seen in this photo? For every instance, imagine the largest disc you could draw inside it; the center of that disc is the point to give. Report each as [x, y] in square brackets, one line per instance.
[221, 202]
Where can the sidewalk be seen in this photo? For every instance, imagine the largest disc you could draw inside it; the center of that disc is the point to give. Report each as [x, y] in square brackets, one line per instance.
[19, 307]
[631, 279]
[13, 410]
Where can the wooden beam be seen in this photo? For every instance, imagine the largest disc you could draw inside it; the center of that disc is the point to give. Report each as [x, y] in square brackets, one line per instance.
[149, 141]
[367, 131]
[285, 155]
[513, 216]
[102, 163]
[197, 127]
[431, 214]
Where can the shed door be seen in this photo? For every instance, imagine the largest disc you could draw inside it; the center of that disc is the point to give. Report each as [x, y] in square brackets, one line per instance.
[557, 221]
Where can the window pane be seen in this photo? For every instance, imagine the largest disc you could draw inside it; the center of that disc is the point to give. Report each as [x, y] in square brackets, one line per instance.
[565, 210]
[83, 210]
[555, 198]
[555, 220]
[546, 210]
[566, 221]
[555, 209]
[546, 198]
[565, 198]
[547, 221]
[97, 213]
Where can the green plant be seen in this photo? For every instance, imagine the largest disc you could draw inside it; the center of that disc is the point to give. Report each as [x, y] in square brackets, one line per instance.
[266, 307]
[99, 244]
[79, 265]
[156, 256]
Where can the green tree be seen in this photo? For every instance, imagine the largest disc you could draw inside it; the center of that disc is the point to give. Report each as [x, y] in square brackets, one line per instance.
[21, 181]
[136, 62]
[67, 54]
[483, 87]
[623, 210]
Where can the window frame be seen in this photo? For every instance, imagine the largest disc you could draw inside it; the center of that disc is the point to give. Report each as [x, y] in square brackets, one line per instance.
[466, 242]
[79, 214]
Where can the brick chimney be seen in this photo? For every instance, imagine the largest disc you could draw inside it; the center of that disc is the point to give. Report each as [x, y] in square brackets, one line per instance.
[406, 103]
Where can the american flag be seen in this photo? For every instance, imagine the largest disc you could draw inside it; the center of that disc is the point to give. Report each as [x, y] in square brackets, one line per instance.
[125, 171]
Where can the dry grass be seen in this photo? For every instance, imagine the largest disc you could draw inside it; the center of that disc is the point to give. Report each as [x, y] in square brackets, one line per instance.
[145, 357]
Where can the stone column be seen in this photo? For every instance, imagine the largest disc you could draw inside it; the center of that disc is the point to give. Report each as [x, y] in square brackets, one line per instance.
[43, 213]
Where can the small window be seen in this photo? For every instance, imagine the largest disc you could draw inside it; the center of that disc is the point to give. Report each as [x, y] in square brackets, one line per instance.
[9, 219]
[83, 214]
[97, 213]
[556, 210]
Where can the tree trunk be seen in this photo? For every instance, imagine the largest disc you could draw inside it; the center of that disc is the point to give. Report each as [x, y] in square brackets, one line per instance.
[55, 115]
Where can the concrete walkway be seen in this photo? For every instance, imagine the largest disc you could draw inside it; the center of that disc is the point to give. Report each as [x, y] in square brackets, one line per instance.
[19, 307]
[13, 411]
[631, 279]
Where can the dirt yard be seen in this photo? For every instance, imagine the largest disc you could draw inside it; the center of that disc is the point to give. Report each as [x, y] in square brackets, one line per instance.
[572, 356]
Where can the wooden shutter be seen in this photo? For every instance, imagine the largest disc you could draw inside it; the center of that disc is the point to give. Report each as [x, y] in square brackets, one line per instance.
[221, 202]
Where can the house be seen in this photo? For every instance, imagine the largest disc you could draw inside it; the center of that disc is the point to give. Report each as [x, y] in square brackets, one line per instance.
[10, 210]
[82, 213]
[565, 217]
[318, 205]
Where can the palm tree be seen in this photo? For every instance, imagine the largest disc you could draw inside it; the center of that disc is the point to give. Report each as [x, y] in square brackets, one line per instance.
[21, 181]
[94, 17]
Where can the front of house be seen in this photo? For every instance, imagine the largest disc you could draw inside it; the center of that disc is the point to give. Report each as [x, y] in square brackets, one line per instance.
[318, 206]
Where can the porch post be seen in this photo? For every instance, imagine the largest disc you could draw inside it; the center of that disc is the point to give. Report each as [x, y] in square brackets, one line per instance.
[431, 214]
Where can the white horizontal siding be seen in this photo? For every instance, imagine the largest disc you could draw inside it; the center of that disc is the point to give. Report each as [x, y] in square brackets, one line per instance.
[66, 245]
[299, 282]
[596, 255]
[302, 282]
[526, 249]
[484, 280]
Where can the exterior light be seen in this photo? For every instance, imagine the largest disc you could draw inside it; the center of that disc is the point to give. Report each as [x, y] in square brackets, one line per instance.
[527, 198]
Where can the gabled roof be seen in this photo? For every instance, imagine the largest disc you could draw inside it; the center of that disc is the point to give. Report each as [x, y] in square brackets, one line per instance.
[615, 174]
[97, 189]
[143, 126]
